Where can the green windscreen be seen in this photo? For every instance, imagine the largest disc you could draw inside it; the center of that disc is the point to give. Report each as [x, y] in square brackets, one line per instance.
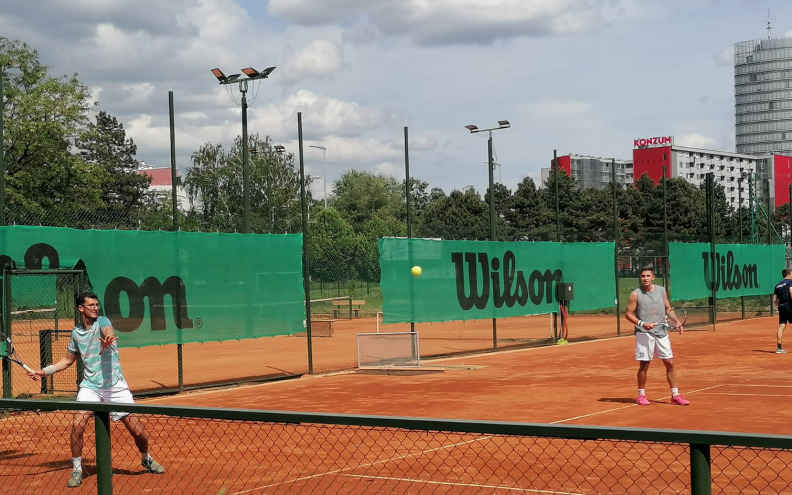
[734, 270]
[465, 280]
[175, 287]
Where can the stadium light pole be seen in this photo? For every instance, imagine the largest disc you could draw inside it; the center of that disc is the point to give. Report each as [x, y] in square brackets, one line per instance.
[502, 124]
[251, 75]
[324, 173]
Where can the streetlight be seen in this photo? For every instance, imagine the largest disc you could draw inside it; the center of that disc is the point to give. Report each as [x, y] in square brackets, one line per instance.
[252, 75]
[502, 124]
[324, 175]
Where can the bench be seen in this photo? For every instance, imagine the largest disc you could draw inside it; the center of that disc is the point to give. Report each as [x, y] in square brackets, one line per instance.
[343, 304]
[321, 327]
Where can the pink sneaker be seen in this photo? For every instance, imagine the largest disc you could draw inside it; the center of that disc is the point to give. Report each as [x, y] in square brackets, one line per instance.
[679, 400]
[643, 401]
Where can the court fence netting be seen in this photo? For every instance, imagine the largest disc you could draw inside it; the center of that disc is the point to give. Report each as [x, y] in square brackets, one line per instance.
[233, 451]
[39, 308]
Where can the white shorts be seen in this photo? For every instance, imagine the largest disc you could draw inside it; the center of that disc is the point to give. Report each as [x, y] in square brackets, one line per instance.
[118, 393]
[647, 344]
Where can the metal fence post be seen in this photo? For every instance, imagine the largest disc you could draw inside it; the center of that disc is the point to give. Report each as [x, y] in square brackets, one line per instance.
[104, 467]
[700, 472]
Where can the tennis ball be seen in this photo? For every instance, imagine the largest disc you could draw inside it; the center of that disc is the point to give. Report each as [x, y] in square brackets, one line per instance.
[416, 271]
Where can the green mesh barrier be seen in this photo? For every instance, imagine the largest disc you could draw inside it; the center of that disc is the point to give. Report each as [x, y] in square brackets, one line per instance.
[175, 287]
[740, 269]
[466, 280]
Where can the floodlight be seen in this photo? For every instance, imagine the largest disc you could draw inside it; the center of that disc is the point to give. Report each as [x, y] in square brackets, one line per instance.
[219, 75]
[279, 148]
[471, 128]
[504, 123]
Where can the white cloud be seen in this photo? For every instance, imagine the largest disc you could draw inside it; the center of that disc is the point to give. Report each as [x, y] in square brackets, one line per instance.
[696, 140]
[439, 22]
[319, 58]
[557, 108]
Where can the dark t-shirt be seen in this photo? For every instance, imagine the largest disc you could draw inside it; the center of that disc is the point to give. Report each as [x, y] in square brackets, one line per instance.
[781, 292]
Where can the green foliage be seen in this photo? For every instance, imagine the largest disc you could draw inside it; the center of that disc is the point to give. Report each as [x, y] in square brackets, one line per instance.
[41, 116]
[214, 184]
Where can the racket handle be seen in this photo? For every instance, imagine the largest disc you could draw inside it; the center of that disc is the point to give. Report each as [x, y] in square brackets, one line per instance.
[27, 368]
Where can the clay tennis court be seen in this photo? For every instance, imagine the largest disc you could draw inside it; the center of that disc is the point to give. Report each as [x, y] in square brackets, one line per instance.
[732, 377]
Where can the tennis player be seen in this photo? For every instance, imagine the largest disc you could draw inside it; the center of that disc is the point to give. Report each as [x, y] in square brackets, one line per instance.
[782, 297]
[103, 381]
[647, 305]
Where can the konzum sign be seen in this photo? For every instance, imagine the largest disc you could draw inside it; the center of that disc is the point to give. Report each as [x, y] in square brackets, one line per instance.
[653, 141]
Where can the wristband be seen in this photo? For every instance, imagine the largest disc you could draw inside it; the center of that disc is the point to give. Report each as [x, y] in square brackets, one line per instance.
[49, 370]
[640, 323]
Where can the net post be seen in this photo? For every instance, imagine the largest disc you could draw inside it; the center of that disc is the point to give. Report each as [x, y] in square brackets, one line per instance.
[700, 470]
[104, 468]
[45, 357]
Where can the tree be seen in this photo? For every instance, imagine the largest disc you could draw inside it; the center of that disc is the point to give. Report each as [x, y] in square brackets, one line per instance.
[332, 246]
[105, 144]
[527, 211]
[361, 196]
[460, 215]
[568, 196]
[42, 114]
[214, 183]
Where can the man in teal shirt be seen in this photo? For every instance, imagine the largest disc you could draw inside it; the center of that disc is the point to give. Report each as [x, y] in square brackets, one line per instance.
[103, 381]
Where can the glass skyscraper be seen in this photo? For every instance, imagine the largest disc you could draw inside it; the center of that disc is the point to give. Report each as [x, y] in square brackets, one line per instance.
[763, 96]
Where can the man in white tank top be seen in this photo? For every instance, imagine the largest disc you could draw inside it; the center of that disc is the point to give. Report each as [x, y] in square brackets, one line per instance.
[646, 306]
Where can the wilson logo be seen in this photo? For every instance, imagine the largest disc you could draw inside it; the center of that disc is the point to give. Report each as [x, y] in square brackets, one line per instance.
[727, 274]
[151, 289]
[477, 278]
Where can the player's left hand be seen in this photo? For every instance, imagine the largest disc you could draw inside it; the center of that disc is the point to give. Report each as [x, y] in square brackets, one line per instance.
[681, 328]
[106, 341]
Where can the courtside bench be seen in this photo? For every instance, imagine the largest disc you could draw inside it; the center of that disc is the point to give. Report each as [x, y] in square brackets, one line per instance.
[344, 304]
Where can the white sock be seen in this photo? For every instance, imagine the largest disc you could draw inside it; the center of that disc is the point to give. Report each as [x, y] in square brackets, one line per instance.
[77, 464]
[144, 457]
[674, 392]
[641, 392]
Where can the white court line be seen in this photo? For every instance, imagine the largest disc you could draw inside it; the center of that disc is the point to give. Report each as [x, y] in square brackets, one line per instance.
[625, 407]
[750, 395]
[379, 461]
[466, 485]
[756, 385]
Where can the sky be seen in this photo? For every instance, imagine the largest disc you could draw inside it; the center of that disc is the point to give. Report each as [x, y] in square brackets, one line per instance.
[571, 76]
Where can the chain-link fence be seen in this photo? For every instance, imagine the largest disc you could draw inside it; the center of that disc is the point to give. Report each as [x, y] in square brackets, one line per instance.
[346, 299]
[214, 451]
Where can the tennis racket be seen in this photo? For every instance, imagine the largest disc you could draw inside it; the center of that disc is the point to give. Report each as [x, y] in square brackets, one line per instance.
[674, 319]
[7, 351]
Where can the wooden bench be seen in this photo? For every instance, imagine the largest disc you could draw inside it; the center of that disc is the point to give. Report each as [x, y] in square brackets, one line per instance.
[321, 327]
[343, 304]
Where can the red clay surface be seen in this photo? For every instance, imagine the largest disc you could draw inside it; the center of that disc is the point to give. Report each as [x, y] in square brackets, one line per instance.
[732, 377]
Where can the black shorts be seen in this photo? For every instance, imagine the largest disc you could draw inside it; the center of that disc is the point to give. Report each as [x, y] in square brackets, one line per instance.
[784, 314]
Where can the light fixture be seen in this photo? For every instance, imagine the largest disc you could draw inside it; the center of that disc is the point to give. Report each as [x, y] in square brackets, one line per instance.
[471, 128]
[252, 75]
[219, 75]
[279, 148]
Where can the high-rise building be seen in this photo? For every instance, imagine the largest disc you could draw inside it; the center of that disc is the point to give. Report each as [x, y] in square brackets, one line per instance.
[592, 171]
[763, 96]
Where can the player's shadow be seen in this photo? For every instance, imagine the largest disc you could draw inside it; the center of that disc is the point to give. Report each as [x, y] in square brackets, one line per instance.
[620, 400]
[764, 351]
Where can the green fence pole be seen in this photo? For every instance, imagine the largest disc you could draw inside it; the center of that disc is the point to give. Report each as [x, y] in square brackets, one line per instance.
[700, 471]
[104, 467]
[616, 245]
[305, 249]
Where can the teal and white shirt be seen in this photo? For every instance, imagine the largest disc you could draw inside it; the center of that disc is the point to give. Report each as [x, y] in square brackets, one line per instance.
[101, 371]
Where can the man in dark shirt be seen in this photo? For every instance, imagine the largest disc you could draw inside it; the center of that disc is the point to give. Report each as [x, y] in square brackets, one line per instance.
[782, 297]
